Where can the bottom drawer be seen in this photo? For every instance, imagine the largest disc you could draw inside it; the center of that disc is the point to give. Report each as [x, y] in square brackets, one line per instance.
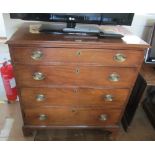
[71, 116]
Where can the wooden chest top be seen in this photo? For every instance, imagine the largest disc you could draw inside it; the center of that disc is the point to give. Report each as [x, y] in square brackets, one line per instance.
[22, 36]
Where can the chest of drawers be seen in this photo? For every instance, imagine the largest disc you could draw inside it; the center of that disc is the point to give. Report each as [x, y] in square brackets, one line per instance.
[70, 82]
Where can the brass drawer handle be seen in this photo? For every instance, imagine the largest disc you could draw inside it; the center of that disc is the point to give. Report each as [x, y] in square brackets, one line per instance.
[40, 97]
[114, 77]
[108, 98]
[78, 53]
[36, 55]
[103, 117]
[43, 117]
[38, 76]
[119, 57]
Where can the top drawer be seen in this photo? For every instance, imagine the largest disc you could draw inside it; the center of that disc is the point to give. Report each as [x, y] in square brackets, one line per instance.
[48, 56]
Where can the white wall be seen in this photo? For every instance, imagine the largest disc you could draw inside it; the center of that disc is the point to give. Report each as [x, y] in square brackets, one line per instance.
[11, 25]
[3, 54]
[2, 27]
[142, 24]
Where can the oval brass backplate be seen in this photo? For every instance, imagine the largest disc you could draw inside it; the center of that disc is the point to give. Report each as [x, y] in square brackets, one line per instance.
[37, 55]
[103, 117]
[38, 76]
[40, 97]
[119, 57]
[43, 117]
[114, 77]
[108, 97]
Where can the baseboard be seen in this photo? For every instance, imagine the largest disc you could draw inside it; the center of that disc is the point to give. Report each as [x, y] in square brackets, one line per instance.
[3, 39]
[3, 101]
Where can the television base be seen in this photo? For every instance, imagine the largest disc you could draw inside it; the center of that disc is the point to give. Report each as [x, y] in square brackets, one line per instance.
[84, 30]
[99, 34]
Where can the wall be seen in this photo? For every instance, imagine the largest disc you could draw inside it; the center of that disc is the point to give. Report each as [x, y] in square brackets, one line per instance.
[2, 27]
[12, 25]
[142, 25]
[3, 54]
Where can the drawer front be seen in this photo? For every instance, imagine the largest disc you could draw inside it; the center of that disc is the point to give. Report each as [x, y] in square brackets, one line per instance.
[75, 76]
[71, 116]
[90, 56]
[35, 97]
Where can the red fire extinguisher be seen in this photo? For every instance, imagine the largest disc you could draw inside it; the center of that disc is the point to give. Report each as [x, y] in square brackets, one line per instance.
[9, 81]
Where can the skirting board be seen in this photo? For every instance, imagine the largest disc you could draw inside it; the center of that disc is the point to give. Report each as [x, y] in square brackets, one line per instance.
[3, 39]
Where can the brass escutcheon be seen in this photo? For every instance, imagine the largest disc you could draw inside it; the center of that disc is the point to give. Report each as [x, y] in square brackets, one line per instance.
[78, 53]
[75, 90]
[77, 71]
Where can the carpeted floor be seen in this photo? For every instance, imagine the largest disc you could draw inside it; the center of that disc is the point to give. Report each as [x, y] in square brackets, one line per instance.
[140, 129]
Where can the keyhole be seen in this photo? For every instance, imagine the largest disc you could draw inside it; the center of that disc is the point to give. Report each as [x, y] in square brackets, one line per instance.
[78, 53]
[73, 110]
[77, 71]
[75, 90]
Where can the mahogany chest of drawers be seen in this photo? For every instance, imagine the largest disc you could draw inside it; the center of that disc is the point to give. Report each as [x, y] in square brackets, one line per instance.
[74, 81]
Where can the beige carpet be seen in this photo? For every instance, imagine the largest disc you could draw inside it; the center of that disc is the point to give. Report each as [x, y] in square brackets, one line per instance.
[140, 129]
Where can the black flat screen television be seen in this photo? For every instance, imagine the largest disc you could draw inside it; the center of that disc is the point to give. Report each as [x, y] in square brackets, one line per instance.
[72, 19]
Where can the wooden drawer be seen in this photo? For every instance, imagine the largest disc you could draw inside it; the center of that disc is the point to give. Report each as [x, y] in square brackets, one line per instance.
[35, 97]
[71, 116]
[67, 55]
[75, 75]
